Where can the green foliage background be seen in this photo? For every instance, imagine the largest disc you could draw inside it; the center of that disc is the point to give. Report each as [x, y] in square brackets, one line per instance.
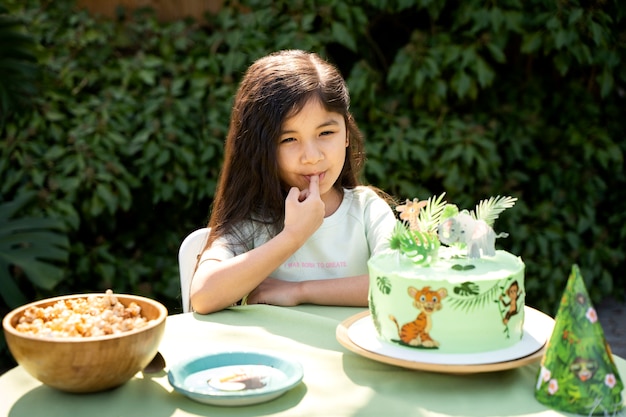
[123, 143]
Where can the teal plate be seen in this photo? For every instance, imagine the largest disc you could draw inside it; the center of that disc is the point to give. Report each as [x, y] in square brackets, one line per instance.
[235, 378]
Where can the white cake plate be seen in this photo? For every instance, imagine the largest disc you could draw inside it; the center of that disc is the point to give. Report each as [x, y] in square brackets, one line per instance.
[358, 334]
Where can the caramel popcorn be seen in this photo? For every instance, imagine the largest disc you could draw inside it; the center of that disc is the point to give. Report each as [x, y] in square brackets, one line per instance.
[82, 317]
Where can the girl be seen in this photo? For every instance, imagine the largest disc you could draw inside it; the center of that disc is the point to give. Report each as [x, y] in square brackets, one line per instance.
[290, 223]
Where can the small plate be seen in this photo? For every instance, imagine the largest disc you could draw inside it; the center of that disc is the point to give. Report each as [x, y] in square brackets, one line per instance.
[358, 334]
[235, 378]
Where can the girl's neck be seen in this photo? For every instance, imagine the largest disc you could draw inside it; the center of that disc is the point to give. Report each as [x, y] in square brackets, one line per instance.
[332, 200]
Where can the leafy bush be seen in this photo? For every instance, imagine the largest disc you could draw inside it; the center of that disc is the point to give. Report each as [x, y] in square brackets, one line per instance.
[476, 99]
[18, 65]
[126, 141]
[518, 98]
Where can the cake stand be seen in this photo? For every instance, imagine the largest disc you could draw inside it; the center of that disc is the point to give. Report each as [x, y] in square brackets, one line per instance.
[357, 333]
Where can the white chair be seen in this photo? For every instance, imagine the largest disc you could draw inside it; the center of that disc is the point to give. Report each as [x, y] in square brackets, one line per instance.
[188, 256]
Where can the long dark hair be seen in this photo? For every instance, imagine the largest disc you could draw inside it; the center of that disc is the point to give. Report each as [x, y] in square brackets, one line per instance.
[274, 88]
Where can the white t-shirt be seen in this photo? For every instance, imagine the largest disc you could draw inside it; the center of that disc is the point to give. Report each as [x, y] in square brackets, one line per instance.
[341, 247]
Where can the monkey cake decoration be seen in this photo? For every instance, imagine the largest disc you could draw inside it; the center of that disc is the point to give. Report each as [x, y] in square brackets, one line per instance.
[577, 372]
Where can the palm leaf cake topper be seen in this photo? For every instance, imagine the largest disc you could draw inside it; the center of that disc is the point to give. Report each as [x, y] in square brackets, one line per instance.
[489, 210]
[423, 225]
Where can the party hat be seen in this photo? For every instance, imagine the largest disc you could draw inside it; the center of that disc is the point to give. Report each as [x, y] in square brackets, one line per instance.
[577, 373]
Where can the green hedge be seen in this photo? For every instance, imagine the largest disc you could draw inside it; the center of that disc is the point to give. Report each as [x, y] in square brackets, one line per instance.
[520, 98]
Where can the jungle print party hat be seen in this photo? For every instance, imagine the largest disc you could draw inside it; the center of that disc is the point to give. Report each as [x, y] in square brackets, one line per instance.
[577, 373]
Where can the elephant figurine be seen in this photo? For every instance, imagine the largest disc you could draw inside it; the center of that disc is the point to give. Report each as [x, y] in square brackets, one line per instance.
[476, 234]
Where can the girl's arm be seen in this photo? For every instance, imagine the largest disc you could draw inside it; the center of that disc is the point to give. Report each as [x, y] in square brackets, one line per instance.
[350, 291]
[219, 284]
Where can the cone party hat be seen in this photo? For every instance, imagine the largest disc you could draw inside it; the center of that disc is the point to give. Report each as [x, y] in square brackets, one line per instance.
[577, 373]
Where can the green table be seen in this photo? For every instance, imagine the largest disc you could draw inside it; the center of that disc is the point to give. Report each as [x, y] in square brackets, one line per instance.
[336, 381]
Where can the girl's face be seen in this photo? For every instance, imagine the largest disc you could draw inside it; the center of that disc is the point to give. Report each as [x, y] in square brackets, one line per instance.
[313, 142]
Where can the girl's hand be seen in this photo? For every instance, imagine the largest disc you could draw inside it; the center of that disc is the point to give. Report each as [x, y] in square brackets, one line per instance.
[275, 292]
[304, 210]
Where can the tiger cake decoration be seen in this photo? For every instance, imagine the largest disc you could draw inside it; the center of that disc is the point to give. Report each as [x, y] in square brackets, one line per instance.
[577, 373]
[442, 286]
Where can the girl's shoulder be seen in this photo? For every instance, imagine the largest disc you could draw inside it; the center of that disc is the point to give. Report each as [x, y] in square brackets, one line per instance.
[368, 194]
[368, 201]
[367, 207]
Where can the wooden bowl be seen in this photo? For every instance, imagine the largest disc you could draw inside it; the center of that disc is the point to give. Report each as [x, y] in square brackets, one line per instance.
[87, 364]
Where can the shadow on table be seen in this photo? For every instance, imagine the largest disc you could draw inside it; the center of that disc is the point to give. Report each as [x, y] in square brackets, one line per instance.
[139, 397]
[131, 400]
[280, 321]
[509, 393]
[285, 402]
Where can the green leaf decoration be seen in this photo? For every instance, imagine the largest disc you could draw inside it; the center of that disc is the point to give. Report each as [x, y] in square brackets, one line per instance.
[384, 285]
[450, 210]
[489, 210]
[430, 215]
[418, 347]
[420, 247]
[400, 237]
[459, 267]
[467, 288]
[473, 300]
[374, 313]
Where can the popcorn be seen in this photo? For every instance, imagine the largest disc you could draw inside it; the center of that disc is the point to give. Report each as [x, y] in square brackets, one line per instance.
[82, 317]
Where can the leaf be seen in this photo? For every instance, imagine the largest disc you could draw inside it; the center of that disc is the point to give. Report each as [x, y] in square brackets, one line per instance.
[462, 83]
[562, 63]
[9, 291]
[489, 210]
[384, 285]
[484, 72]
[342, 35]
[606, 81]
[107, 196]
[19, 70]
[531, 43]
[31, 244]
[430, 215]
[54, 116]
[466, 288]
[575, 16]
[35, 241]
[496, 53]
[562, 38]
[597, 32]
[147, 76]
[41, 273]
[468, 298]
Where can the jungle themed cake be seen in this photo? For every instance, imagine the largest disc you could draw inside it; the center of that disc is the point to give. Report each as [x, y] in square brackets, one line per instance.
[443, 286]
